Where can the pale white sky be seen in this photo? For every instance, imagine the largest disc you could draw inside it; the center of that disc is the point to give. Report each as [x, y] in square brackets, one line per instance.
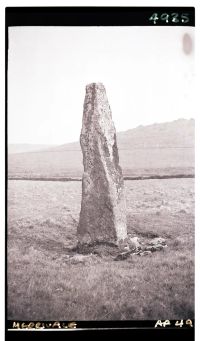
[147, 75]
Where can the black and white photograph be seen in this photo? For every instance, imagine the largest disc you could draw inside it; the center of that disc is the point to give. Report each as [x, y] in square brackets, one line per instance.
[101, 168]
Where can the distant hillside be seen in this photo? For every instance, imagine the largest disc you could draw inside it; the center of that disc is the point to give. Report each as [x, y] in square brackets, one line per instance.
[24, 148]
[164, 148]
[179, 133]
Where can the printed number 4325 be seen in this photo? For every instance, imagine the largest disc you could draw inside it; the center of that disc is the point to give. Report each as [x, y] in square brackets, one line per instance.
[173, 17]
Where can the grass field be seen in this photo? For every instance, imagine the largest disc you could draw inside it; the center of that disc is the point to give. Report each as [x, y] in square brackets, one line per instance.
[69, 163]
[163, 148]
[44, 285]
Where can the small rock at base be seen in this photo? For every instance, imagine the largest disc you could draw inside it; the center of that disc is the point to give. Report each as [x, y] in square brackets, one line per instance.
[145, 253]
[134, 243]
[157, 241]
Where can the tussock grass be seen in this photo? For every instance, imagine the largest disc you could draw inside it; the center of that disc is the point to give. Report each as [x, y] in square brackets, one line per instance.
[44, 285]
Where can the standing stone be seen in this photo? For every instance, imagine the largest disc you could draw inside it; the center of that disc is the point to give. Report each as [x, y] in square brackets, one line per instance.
[103, 211]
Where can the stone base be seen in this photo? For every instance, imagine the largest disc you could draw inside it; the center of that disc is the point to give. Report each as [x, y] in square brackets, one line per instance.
[124, 248]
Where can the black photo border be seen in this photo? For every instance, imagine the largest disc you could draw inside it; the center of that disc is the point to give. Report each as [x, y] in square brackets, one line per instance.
[86, 16]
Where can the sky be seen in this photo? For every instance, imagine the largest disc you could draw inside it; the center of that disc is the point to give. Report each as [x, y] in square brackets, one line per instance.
[148, 73]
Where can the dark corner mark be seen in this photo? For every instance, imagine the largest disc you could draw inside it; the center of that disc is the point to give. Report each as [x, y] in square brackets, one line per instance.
[100, 16]
[149, 334]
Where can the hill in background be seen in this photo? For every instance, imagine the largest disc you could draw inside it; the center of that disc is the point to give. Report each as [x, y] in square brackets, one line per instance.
[26, 147]
[161, 148]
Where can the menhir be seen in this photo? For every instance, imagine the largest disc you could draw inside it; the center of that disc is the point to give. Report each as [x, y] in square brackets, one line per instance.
[103, 211]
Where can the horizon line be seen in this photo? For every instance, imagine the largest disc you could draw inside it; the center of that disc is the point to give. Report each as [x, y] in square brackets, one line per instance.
[117, 132]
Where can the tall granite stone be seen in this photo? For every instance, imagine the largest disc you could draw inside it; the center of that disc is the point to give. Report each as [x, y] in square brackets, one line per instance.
[103, 211]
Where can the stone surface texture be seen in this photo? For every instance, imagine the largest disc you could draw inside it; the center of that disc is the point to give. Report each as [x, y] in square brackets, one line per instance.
[103, 209]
